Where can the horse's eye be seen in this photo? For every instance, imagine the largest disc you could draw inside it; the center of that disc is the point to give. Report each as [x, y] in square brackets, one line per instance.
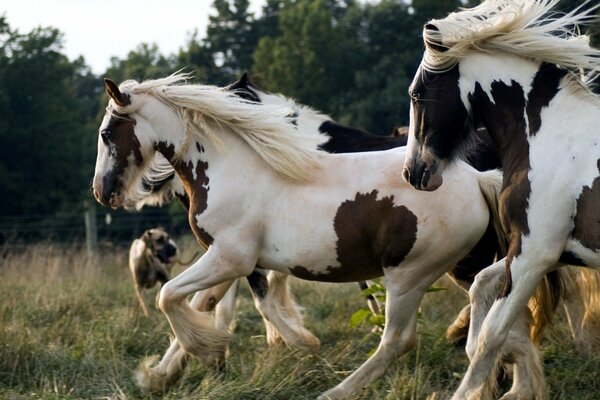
[106, 134]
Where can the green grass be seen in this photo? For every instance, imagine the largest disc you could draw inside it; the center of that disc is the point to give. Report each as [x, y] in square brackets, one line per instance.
[70, 328]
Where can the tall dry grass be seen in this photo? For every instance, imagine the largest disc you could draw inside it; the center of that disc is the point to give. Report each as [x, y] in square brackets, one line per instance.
[70, 328]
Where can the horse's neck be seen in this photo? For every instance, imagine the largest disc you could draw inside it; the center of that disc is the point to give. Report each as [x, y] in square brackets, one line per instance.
[201, 158]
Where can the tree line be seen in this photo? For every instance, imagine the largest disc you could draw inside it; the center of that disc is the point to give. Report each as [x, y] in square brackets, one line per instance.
[349, 59]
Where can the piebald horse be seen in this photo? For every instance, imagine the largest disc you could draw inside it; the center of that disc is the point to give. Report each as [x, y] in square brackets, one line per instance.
[516, 69]
[261, 195]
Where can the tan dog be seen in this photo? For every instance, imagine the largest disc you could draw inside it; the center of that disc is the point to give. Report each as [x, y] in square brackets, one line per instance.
[151, 258]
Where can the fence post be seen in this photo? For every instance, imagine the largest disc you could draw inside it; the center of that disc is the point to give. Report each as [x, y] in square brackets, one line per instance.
[91, 233]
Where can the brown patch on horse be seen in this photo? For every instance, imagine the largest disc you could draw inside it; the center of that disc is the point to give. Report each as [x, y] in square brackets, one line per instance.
[587, 218]
[123, 142]
[505, 124]
[196, 187]
[544, 87]
[372, 234]
[509, 131]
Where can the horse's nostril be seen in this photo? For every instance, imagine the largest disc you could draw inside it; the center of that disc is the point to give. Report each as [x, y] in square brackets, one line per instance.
[406, 174]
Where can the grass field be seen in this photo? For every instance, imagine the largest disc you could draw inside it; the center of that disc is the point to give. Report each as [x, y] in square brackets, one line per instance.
[70, 329]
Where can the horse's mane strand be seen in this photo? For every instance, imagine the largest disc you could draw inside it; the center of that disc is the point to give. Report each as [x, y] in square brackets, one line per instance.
[526, 28]
[267, 129]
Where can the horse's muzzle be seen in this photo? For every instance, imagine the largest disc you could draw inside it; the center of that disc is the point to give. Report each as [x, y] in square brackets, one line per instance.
[105, 193]
[421, 175]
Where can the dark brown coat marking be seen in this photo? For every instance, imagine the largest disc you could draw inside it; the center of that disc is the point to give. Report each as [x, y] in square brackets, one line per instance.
[120, 139]
[197, 189]
[543, 89]
[587, 218]
[506, 125]
[345, 139]
[372, 234]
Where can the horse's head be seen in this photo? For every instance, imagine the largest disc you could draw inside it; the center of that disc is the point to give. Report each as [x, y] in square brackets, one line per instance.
[122, 148]
[437, 120]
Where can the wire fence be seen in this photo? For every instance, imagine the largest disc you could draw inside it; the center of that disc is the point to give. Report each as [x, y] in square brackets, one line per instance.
[114, 227]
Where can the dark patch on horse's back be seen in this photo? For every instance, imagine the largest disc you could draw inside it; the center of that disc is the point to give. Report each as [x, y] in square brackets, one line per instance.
[372, 234]
[344, 139]
[545, 85]
[587, 217]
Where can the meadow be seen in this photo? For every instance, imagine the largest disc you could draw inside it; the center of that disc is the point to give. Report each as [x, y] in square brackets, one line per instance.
[70, 328]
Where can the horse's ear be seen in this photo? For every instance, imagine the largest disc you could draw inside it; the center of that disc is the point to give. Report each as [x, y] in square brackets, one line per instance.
[433, 38]
[112, 90]
[241, 83]
[245, 79]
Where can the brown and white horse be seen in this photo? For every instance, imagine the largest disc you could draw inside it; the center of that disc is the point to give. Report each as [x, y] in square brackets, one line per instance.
[260, 194]
[513, 67]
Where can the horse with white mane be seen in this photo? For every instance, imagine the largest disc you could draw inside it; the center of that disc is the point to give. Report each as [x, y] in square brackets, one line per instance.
[260, 194]
[515, 68]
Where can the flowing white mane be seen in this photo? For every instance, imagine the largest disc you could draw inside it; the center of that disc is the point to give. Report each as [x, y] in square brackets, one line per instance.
[266, 128]
[526, 28]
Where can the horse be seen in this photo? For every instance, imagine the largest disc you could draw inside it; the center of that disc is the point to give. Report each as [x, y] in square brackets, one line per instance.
[261, 194]
[520, 71]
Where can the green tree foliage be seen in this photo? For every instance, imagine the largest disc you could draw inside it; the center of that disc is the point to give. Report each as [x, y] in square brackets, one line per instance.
[351, 59]
[304, 60]
[144, 62]
[46, 101]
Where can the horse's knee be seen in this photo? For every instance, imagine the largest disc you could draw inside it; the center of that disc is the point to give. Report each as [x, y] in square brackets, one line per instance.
[167, 297]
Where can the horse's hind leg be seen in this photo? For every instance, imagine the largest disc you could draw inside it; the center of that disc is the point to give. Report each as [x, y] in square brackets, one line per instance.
[225, 309]
[458, 330]
[283, 320]
[156, 378]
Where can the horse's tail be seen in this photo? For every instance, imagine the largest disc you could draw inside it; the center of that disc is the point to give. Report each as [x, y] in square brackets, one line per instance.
[591, 286]
[490, 184]
[545, 300]
[582, 306]
[548, 294]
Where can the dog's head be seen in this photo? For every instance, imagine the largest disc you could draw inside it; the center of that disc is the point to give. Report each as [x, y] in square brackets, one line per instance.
[160, 244]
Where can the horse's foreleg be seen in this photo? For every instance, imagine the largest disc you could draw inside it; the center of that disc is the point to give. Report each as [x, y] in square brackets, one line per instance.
[282, 317]
[399, 334]
[489, 330]
[156, 378]
[197, 332]
[528, 372]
